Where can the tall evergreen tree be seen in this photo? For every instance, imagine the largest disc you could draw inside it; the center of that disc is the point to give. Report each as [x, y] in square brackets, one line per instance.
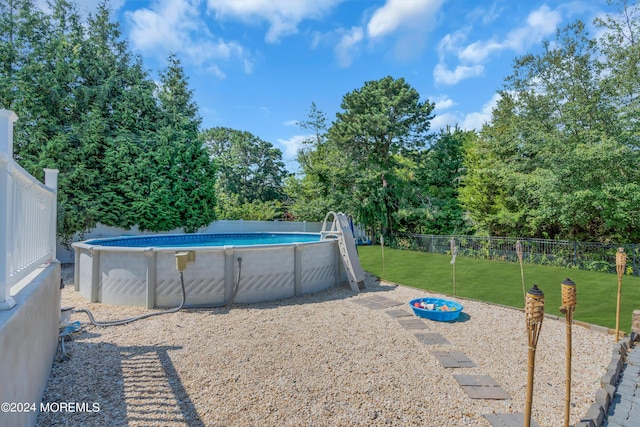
[383, 119]
[178, 175]
[87, 107]
[324, 184]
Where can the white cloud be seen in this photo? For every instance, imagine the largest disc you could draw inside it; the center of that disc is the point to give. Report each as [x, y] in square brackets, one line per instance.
[408, 22]
[443, 102]
[539, 24]
[470, 121]
[292, 122]
[441, 121]
[216, 71]
[477, 119]
[177, 26]
[479, 51]
[450, 42]
[396, 14]
[291, 146]
[283, 16]
[348, 42]
[486, 16]
[443, 75]
[247, 65]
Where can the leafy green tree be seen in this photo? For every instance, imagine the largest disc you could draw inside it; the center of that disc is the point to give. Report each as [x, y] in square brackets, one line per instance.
[556, 152]
[619, 45]
[437, 178]
[250, 174]
[325, 183]
[383, 119]
[22, 29]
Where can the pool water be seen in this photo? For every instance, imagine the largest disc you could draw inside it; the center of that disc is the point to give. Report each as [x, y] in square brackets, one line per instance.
[202, 240]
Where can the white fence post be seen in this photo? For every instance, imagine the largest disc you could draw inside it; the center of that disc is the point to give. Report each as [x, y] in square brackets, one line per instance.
[7, 118]
[28, 213]
[51, 181]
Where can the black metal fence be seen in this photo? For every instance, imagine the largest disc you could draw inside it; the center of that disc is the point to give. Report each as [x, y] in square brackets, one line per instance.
[593, 256]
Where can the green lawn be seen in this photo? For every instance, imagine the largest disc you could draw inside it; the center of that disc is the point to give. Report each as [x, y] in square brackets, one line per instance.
[500, 282]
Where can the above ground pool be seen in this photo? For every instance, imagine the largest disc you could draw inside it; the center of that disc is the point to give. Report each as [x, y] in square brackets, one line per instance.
[228, 268]
[189, 240]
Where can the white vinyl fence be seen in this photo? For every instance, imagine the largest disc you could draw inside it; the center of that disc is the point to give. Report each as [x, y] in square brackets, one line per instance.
[27, 216]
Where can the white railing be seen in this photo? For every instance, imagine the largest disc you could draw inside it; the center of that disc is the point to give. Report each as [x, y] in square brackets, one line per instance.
[28, 211]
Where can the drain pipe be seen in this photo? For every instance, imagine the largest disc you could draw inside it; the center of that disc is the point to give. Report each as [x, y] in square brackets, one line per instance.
[182, 259]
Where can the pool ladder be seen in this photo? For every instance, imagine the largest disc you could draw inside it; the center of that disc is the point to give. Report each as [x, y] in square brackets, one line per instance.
[342, 231]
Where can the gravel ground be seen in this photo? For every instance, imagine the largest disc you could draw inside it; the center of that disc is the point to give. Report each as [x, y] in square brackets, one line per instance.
[317, 360]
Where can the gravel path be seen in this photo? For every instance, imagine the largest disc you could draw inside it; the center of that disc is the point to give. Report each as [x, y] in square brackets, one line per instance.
[318, 360]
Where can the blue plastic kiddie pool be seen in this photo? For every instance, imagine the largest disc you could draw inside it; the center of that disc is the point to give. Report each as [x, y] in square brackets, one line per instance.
[438, 309]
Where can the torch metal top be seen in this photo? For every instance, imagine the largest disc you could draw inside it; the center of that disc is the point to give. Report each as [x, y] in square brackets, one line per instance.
[535, 292]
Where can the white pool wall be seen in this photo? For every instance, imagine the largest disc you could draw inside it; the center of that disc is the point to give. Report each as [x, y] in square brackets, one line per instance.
[149, 277]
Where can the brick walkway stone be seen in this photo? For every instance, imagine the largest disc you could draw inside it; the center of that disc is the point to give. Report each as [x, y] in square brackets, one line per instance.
[431, 338]
[398, 313]
[481, 387]
[508, 420]
[377, 302]
[453, 359]
[412, 323]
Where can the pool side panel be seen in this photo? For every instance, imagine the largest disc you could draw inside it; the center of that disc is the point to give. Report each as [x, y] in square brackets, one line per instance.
[318, 267]
[85, 273]
[123, 278]
[267, 274]
[203, 279]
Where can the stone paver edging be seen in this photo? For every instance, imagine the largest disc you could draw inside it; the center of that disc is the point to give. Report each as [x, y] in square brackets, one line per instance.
[596, 414]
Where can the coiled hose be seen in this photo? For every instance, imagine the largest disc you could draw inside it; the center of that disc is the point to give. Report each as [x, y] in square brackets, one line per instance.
[133, 319]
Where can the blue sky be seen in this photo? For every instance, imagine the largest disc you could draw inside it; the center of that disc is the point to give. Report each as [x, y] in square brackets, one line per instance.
[257, 65]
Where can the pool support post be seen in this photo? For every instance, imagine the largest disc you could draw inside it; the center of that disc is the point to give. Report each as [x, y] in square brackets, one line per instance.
[151, 277]
[297, 269]
[95, 274]
[568, 307]
[534, 314]
[229, 293]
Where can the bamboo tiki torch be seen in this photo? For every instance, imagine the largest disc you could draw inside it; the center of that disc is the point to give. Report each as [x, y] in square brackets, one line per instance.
[568, 307]
[621, 263]
[534, 312]
[454, 252]
[519, 252]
